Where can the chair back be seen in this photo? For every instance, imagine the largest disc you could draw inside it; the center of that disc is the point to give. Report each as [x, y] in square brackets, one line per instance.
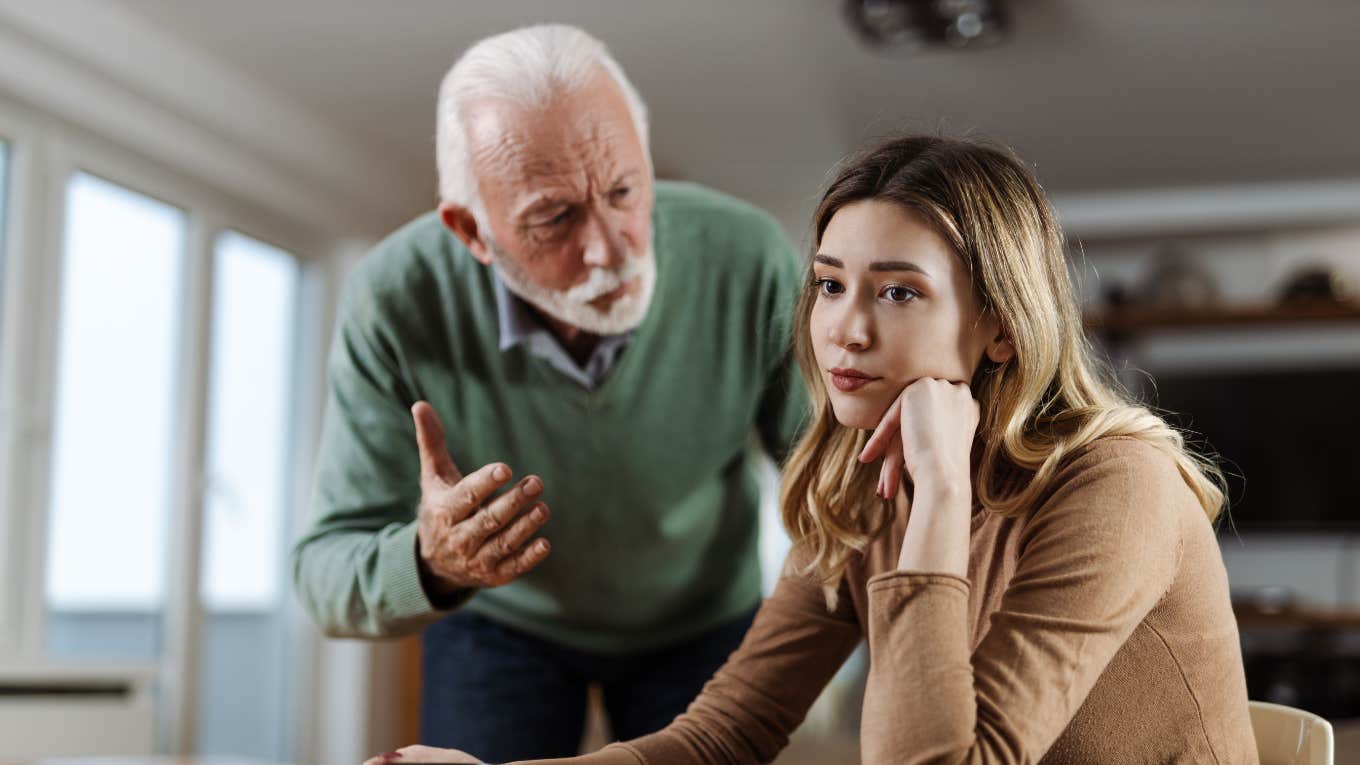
[1289, 736]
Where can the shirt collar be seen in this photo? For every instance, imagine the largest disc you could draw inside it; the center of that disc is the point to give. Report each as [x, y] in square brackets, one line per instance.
[519, 326]
[516, 322]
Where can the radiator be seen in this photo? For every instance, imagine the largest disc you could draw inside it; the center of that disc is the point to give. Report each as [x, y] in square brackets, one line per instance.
[64, 713]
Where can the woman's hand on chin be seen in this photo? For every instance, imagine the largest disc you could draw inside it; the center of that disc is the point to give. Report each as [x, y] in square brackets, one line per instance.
[928, 431]
[417, 754]
[934, 421]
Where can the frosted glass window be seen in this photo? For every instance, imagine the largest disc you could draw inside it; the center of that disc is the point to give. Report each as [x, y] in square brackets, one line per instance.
[255, 288]
[246, 670]
[4, 205]
[115, 397]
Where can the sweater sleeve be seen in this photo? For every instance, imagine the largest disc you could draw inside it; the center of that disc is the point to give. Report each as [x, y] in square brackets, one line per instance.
[783, 410]
[762, 693]
[355, 568]
[1094, 560]
[784, 407]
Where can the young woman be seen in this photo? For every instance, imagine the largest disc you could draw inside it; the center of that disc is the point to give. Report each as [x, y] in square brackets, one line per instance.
[1042, 583]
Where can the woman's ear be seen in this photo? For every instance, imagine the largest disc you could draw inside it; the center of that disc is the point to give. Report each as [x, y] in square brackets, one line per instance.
[1000, 350]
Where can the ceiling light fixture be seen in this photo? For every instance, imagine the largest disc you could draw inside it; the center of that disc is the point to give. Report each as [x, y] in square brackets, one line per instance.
[914, 24]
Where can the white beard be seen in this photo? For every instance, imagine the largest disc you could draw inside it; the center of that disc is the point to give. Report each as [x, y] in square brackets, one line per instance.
[572, 306]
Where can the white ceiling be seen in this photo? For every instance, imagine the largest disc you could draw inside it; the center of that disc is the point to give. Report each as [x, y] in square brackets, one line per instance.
[760, 97]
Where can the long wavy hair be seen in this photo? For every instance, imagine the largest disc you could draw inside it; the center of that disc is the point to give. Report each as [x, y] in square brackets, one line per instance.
[1052, 397]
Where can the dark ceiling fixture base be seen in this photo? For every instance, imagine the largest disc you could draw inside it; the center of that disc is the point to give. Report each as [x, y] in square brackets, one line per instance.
[906, 26]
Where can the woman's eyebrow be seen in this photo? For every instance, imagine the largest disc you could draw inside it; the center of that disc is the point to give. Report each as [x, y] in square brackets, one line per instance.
[878, 265]
[896, 265]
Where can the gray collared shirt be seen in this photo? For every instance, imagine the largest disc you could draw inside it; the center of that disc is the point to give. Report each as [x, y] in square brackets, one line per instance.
[518, 325]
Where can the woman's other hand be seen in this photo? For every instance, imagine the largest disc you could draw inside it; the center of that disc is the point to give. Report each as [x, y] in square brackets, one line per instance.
[427, 754]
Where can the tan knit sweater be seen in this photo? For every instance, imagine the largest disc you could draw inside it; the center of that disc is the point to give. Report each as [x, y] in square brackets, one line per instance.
[1094, 628]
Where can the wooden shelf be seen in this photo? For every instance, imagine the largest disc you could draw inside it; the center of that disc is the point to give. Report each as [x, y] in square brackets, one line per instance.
[1137, 319]
[1308, 618]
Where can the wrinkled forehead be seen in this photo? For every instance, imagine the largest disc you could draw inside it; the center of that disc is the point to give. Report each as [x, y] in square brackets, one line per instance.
[587, 133]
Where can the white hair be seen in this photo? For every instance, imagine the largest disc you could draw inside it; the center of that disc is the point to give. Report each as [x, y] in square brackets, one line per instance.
[529, 66]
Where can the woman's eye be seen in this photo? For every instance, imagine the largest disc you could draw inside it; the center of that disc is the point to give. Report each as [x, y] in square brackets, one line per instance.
[829, 286]
[620, 194]
[897, 294]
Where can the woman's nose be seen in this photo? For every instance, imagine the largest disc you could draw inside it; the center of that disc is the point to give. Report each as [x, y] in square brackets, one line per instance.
[851, 331]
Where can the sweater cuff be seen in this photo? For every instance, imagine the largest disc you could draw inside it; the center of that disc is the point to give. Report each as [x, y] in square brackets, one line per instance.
[659, 747]
[400, 573]
[630, 749]
[898, 580]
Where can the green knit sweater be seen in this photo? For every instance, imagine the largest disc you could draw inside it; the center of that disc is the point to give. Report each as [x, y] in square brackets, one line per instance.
[649, 476]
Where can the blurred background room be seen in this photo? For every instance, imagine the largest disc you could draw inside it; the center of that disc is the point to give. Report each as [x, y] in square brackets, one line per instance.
[184, 186]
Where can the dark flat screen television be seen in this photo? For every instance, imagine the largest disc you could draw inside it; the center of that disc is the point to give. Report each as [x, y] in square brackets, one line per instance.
[1289, 441]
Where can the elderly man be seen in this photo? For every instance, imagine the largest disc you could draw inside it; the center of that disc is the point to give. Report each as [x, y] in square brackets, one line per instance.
[567, 354]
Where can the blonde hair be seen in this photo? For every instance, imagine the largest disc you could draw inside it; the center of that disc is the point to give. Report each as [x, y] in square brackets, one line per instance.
[1051, 398]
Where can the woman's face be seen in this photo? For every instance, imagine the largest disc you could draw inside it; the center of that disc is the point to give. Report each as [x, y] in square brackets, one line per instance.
[894, 304]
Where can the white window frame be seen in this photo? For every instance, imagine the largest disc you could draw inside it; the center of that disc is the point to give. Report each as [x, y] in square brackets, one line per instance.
[44, 153]
[17, 342]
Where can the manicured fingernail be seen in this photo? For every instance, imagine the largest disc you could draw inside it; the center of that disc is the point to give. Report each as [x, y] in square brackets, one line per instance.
[533, 486]
[500, 473]
[540, 512]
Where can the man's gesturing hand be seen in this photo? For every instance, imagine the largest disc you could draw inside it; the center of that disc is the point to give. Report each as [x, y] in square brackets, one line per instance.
[463, 540]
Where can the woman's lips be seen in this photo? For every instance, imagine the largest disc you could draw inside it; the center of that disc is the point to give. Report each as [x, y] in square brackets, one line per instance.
[849, 380]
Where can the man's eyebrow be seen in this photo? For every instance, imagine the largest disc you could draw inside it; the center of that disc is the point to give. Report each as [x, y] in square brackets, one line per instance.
[540, 202]
[877, 265]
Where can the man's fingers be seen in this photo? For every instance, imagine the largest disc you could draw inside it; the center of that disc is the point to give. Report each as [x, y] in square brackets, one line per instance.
[523, 561]
[435, 461]
[887, 427]
[508, 542]
[467, 496]
[503, 510]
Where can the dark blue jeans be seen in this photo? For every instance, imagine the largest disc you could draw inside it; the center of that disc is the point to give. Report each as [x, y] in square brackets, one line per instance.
[502, 695]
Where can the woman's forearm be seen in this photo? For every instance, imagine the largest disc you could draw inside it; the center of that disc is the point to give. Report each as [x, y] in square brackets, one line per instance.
[937, 531]
[613, 755]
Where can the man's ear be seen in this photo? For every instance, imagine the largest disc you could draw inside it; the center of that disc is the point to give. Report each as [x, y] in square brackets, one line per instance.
[463, 224]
